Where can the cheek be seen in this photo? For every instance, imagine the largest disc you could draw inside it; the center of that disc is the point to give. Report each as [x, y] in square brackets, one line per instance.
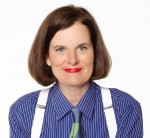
[88, 59]
[56, 60]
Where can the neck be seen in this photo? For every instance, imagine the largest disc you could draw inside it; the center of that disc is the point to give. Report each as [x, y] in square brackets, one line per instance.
[73, 93]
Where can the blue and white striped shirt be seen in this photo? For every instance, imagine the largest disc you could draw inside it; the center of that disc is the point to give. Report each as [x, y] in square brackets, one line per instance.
[58, 117]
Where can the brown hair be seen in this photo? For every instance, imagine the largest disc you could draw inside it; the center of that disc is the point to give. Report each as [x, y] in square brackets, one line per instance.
[62, 18]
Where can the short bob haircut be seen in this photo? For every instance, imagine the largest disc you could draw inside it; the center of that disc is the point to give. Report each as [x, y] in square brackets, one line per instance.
[62, 18]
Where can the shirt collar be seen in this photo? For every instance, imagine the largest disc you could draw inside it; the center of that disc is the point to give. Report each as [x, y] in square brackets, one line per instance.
[60, 103]
[86, 104]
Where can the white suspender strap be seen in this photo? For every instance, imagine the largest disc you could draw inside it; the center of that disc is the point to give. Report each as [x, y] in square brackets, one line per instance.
[109, 112]
[39, 113]
[41, 104]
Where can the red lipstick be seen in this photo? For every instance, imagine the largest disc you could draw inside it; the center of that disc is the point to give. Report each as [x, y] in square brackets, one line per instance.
[72, 70]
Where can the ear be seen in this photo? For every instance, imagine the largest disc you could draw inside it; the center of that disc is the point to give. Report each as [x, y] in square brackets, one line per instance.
[48, 62]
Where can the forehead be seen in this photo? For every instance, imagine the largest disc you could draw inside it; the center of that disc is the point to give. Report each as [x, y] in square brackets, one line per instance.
[75, 34]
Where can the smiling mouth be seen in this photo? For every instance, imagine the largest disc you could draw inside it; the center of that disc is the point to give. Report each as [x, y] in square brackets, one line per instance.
[72, 70]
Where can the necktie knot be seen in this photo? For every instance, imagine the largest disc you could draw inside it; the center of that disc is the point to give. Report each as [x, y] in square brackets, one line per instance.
[77, 114]
[76, 131]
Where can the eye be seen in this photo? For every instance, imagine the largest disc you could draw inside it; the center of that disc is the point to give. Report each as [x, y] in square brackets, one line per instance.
[82, 48]
[60, 49]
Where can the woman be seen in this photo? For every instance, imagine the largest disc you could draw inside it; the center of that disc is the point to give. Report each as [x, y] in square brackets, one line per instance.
[69, 52]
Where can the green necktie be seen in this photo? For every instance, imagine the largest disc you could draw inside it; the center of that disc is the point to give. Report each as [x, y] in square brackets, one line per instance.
[76, 131]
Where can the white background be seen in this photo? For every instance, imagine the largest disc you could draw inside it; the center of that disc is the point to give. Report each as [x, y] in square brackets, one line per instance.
[125, 26]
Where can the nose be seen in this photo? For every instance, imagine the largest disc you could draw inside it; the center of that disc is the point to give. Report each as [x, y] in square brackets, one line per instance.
[72, 58]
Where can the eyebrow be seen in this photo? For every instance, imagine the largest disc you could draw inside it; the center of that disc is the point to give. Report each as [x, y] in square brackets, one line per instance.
[57, 46]
[82, 44]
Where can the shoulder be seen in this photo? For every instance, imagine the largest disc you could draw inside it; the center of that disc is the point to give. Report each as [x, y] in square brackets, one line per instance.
[125, 105]
[25, 100]
[123, 97]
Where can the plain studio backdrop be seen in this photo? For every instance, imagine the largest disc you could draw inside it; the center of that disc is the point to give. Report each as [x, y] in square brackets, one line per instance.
[125, 26]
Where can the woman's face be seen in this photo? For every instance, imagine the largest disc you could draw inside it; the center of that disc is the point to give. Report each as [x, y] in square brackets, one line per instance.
[71, 56]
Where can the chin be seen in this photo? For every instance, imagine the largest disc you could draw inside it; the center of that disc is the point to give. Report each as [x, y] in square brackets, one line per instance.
[77, 83]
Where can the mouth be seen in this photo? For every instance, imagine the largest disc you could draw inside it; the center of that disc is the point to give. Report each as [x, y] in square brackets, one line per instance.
[73, 70]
